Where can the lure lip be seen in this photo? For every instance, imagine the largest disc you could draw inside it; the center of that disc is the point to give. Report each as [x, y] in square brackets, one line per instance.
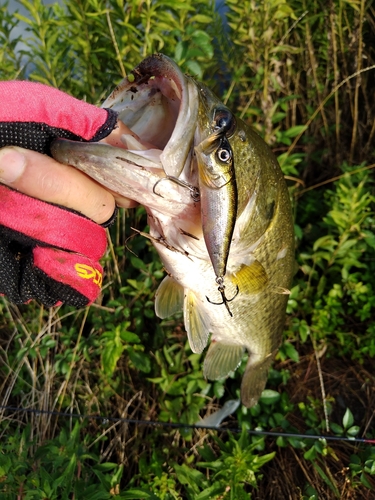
[210, 143]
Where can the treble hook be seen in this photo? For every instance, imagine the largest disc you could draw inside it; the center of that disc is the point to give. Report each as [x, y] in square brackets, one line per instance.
[194, 191]
[221, 289]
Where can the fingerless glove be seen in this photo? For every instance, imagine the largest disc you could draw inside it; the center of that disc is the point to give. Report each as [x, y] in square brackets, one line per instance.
[47, 252]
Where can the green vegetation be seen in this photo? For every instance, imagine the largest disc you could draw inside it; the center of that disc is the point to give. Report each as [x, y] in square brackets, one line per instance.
[297, 72]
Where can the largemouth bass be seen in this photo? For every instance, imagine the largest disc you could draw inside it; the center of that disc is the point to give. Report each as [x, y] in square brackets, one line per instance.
[218, 210]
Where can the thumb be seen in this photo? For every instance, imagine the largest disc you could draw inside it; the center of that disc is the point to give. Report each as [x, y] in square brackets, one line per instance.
[42, 177]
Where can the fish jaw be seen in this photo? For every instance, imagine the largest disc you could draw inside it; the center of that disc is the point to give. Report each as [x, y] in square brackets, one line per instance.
[115, 168]
[157, 92]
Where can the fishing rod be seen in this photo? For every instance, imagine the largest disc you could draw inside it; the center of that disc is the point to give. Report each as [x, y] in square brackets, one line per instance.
[155, 423]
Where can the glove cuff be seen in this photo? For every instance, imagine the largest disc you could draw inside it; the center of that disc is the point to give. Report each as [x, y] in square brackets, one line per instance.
[107, 127]
[78, 278]
[50, 225]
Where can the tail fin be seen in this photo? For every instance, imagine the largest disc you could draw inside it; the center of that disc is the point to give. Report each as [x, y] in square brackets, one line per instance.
[255, 378]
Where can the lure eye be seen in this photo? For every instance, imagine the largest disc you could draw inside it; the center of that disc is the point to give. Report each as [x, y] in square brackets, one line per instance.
[224, 119]
[224, 154]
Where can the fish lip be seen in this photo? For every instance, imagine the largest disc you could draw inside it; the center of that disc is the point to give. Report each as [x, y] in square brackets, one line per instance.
[177, 153]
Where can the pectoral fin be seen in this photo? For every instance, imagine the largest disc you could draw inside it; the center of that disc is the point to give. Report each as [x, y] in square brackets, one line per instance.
[221, 359]
[169, 298]
[255, 378]
[195, 323]
[251, 279]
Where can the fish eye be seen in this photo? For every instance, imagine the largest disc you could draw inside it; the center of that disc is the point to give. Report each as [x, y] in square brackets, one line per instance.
[224, 119]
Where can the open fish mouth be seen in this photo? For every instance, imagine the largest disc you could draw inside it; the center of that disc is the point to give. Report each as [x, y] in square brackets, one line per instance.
[159, 105]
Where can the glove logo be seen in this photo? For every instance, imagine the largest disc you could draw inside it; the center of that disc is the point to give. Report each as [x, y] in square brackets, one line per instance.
[88, 273]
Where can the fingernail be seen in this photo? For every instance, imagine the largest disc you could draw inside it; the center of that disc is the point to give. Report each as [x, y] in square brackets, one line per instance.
[12, 164]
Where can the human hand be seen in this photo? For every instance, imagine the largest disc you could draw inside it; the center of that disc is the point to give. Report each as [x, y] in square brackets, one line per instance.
[42, 177]
[46, 252]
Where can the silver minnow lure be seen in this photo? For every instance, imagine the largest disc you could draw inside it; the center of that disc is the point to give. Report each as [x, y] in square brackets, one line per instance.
[218, 194]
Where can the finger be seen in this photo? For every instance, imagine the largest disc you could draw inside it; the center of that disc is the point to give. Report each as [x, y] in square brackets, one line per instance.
[123, 202]
[42, 177]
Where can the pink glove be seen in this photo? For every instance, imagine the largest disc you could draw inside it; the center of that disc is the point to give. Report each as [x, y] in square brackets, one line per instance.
[47, 252]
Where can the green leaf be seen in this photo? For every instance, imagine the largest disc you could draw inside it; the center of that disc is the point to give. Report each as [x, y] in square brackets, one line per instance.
[194, 68]
[348, 419]
[219, 389]
[294, 131]
[129, 337]
[138, 494]
[370, 466]
[140, 360]
[201, 18]
[106, 466]
[180, 51]
[210, 492]
[282, 442]
[291, 352]
[189, 476]
[111, 354]
[365, 481]
[304, 330]
[310, 454]
[337, 429]
[353, 431]
[269, 397]
[137, 263]
[327, 242]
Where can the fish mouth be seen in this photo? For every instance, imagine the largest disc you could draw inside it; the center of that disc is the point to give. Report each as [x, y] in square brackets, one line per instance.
[159, 105]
